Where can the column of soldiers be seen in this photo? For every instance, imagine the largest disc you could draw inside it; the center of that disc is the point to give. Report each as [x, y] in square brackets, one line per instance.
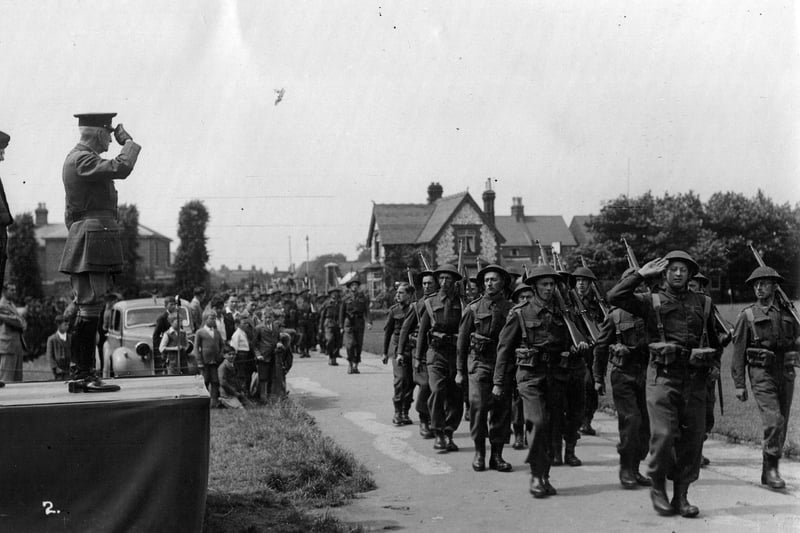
[538, 364]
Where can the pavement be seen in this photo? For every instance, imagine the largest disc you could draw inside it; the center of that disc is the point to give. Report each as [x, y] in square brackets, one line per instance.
[419, 489]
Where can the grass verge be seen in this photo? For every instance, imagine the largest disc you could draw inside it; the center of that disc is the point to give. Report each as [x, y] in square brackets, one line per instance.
[270, 466]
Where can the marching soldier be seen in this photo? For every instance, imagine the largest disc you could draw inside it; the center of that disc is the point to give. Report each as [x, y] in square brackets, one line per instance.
[93, 250]
[401, 362]
[688, 348]
[5, 213]
[329, 325]
[354, 313]
[765, 341]
[305, 325]
[477, 337]
[436, 342]
[623, 343]
[522, 293]
[582, 278]
[532, 341]
[407, 344]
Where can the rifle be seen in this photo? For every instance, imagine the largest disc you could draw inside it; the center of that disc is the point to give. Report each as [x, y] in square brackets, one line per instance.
[591, 327]
[425, 264]
[575, 334]
[632, 262]
[604, 307]
[410, 278]
[461, 287]
[780, 296]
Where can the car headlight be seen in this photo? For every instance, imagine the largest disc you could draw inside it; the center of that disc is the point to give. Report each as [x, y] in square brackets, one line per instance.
[143, 350]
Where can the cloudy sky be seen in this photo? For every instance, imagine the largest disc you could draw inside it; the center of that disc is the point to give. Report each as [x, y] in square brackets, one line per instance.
[564, 103]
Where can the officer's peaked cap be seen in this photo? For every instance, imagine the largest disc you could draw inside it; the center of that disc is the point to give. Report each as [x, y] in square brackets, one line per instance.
[97, 120]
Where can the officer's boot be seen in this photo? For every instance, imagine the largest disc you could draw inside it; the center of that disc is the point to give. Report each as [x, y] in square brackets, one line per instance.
[440, 443]
[451, 446]
[425, 429]
[569, 455]
[496, 461]
[626, 476]
[680, 502]
[519, 439]
[644, 481]
[397, 419]
[479, 462]
[658, 495]
[537, 488]
[769, 473]
[557, 459]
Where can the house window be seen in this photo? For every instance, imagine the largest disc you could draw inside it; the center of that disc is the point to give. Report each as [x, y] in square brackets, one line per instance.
[515, 252]
[469, 236]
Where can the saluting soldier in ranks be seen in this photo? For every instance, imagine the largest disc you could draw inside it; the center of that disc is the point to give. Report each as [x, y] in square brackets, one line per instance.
[765, 341]
[402, 366]
[354, 313]
[305, 326]
[477, 338]
[407, 344]
[93, 250]
[5, 212]
[532, 341]
[521, 294]
[677, 373]
[436, 342]
[582, 279]
[623, 343]
[329, 324]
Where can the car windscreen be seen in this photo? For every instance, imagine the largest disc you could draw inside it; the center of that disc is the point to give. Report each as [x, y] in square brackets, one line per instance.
[147, 316]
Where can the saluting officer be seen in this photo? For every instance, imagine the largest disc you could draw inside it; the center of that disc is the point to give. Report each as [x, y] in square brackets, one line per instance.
[532, 341]
[5, 213]
[93, 250]
[407, 344]
[765, 340]
[436, 343]
[476, 356]
[402, 367]
[623, 343]
[354, 313]
[677, 373]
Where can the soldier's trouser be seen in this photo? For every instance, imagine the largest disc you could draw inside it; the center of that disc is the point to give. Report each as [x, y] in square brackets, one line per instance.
[488, 416]
[566, 404]
[517, 413]
[711, 399]
[354, 338]
[403, 377]
[332, 341]
[590, 397]
[446, 404]
[424, 392]
[532, 385]
[773, 390]
[676, 405]
[628, 391]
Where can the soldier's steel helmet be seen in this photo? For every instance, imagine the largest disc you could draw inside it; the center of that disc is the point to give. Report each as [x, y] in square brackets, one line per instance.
[701, 279]
[424, 273]
[542, 271]
[448, 269]
[764, 272]
[493, 268]
[680, 255]
[334, 289]
[519, 287]
[582, 272]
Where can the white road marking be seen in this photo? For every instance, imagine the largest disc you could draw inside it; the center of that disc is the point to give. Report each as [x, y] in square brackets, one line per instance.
[313, 388]
[391, 441]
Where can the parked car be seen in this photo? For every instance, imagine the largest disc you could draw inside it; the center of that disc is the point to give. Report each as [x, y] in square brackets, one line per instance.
[128, 349]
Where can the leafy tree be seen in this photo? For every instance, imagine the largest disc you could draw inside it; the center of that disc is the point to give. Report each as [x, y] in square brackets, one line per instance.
[23, 257]
[399, 258]
[129, 279]
[192, 255]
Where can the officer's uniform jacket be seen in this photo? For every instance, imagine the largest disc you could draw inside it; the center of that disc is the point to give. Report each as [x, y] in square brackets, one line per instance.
[620, 327]
[536, 325]
[439, 324]
[394, 324]
[355, 307]
[480, 327]
[93, 243]
[776, 331]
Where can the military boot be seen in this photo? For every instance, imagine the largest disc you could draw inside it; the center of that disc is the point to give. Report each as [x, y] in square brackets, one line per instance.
[355, 368]
[404, 418]
[626, 476]
[332, 362]
[549, 489]
[397, 419]
[680, 502]
[496, 461]
[569, 455]
[451, 446]
[769, 473]
[440, 443]
[658, 495]
[644, 481]
[537, 488]
[479, 462]
[556, 459]
[425, 430]
[519, 441]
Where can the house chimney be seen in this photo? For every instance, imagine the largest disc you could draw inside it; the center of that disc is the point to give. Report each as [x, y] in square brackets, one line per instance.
[488, 201]
[41, 215]
[434, 192]
[517, 209]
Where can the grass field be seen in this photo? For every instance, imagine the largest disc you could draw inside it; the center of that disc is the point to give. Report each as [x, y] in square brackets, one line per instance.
[741, 422]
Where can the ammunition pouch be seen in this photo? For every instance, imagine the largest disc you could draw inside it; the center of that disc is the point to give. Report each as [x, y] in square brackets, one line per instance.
[665, 353]
[480, 344]
[530, 357]
[791, 359]
[760, 357]
[619, 354]
[703, 358]
[564, 359]
[437, 340]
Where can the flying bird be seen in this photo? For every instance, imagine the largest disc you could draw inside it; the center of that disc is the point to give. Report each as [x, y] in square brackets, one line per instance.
[280, 93]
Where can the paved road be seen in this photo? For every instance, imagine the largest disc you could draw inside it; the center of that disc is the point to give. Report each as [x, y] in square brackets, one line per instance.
[422, 490]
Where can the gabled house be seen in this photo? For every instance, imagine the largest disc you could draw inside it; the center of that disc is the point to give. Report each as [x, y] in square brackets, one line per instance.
[437, 229]
[579, 230]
